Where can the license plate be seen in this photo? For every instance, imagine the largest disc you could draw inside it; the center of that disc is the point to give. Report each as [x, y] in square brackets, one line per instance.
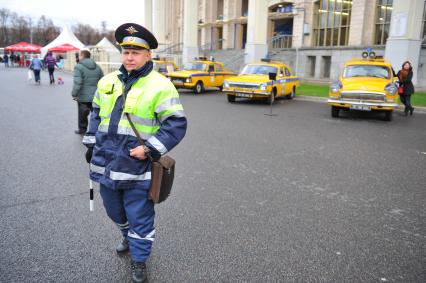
[361, 107]
[245, 95]
[177, 82]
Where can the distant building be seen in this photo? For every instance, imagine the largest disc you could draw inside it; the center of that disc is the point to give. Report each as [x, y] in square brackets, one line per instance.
[314, 37]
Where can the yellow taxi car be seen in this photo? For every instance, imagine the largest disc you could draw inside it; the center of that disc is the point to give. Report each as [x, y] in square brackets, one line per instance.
[200, 74]
[263, 80]
[366, 84]
[164, 66]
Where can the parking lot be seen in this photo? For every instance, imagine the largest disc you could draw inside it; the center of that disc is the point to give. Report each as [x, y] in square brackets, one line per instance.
[296, 197]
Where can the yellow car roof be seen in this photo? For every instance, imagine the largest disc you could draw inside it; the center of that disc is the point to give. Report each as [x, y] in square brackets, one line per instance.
[272, 63]
[360, 61]
[206, 61]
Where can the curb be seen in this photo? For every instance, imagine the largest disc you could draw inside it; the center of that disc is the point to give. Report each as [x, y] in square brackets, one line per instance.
[417, 109]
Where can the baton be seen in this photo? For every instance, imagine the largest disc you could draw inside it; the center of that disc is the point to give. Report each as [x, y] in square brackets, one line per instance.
[91, 194]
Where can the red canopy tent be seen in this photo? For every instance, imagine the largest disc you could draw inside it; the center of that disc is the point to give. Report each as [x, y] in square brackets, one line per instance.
[63, 48]
[23, 47]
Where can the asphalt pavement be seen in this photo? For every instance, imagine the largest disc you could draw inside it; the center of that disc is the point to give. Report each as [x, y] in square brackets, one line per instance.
[296, 197]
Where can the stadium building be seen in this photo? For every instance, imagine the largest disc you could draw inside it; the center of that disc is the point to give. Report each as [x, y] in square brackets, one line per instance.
[314, 37]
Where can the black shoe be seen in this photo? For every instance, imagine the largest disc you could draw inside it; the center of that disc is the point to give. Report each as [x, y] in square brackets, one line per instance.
[139, 272]
[123, 246]
[80, 132]
[411, 111]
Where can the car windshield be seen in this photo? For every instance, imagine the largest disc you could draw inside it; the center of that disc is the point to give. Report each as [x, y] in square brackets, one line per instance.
[366, 71]
[194, 66]
[258, 70]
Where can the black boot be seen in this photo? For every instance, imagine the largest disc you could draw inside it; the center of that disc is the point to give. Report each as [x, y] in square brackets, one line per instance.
[406, 111]
[139, 272]
[411, 110]
[123, 246]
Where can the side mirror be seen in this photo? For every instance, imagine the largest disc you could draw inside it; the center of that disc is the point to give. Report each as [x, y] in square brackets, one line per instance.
[272, 76]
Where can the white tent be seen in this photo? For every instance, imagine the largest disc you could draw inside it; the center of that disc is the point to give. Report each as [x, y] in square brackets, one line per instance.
[106, 45]
[66, 36]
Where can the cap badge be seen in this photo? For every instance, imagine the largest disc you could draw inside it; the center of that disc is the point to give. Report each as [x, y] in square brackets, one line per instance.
[131, 30]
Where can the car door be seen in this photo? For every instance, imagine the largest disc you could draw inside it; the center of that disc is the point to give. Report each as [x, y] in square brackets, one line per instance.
[289, 82]
[219, 76]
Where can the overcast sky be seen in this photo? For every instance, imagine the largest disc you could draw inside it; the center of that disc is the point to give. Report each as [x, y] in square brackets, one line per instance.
[70, 12]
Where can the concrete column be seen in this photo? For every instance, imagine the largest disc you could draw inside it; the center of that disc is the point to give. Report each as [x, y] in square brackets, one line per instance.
[362, 23]
[404, 42]
[257, 30]
[190, 30]
[159, 21]
[147, 14]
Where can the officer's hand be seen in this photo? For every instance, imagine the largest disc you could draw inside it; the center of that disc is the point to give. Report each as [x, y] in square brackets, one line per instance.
[74, 98]
[89, 154]
[138, 152]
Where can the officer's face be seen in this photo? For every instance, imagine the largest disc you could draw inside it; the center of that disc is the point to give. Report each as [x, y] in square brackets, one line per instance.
[134, 59]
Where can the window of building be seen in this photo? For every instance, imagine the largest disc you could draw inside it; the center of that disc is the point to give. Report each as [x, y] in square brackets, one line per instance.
[383, 19]
[424, 25]
[331, 22]
[244, 8]
[311, 65]
[326, 66]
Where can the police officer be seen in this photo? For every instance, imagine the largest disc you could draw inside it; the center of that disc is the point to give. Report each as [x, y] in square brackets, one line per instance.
[117, 160]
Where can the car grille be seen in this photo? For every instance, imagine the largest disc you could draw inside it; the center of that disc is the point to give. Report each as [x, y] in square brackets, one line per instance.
[177, 79]
[365, 96]
[243, 85]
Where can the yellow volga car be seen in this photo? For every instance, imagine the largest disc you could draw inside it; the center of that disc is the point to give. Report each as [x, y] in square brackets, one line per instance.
[200, 74]
[263, 80]
[366, 84]
[164, 66]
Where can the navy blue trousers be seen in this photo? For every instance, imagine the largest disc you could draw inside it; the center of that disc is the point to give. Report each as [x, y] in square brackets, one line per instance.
[134, 214]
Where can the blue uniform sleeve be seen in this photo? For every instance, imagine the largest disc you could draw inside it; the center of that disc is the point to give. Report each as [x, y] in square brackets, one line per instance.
[89, 138]
[171, 132]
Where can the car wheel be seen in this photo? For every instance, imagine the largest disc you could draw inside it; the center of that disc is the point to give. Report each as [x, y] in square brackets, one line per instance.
[335, 111]
[388, 115]
[292, 94]
[221, 88]
[231, 98]
[199, 88]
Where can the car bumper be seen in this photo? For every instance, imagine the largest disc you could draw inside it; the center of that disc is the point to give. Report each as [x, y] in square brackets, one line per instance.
[354, 104]
[247, 93]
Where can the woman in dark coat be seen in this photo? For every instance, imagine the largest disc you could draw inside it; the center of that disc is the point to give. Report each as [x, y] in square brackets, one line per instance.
[405, 75]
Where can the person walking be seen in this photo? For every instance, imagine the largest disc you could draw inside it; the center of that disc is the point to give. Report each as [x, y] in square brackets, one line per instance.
[405, 76]
[6, 60]
[50, 62]
[86, 76]
[36, 66]
[117, 159]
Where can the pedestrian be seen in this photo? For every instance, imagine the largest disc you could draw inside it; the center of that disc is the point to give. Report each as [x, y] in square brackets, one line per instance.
[18, 60]
[50, 62]
[118, 161]
[86, 76]
[6, 60]
[12, 59]
[36, 66]
[406, 87]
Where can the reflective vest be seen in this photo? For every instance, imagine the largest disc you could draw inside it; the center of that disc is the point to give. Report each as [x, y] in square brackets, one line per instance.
[150, 101]
[147, 106]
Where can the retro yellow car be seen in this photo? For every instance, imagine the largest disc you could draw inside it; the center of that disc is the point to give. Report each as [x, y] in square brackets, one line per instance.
[263, 80]
[366, 84]
[200, 74]
[164, 66]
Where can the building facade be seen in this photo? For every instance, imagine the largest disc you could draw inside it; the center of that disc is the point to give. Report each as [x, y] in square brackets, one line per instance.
[315, 37]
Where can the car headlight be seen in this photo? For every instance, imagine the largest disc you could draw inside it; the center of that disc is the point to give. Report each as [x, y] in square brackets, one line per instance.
[391, 88]
[188, 80]
[336, 86]
[225, 84]
[263, 86]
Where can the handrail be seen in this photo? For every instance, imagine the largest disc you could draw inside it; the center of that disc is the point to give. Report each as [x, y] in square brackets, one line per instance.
[281, 41]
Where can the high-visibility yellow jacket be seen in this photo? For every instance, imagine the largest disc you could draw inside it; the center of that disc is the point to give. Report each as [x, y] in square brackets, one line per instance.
[157, 113]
